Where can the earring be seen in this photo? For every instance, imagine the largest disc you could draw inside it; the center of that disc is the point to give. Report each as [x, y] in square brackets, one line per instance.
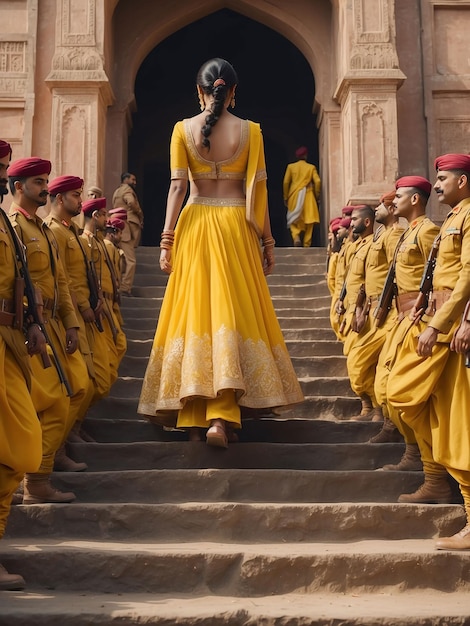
[232, 103]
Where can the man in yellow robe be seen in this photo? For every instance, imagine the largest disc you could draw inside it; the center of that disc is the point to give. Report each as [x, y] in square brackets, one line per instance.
[28, 179]
[428, 385]
[364, 353]
[347, 245]
[20, 431]
[301, 190]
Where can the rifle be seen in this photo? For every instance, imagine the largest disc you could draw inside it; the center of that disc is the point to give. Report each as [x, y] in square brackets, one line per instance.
[96, 294]
[389, 291]
[466, 317]
[425, 287]
[94, 288]
[24, 285]
[109, 316]
[363, 303]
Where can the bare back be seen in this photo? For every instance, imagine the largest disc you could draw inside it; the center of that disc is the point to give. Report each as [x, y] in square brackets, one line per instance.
[224, 139]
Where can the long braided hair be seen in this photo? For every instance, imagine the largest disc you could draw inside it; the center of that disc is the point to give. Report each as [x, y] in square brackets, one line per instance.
[215, 78]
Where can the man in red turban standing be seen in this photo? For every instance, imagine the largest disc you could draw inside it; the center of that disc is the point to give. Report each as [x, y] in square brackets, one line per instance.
[301, 190]
[28, 180]
[430, 385]
[20, 431]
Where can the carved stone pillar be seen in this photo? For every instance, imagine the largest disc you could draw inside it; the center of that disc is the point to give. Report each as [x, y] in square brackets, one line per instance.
[367, 94]
[17, 54]
[81, 91]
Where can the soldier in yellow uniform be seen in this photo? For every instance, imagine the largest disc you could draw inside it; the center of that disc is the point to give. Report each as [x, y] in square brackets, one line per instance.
[364, 353]
[301, 189]
[334, 246]
[95, 222]
[344, 237]
[66, 203]
[113, 235]
[20, 431]
[423, 382]
[28, 180]
[415, 244]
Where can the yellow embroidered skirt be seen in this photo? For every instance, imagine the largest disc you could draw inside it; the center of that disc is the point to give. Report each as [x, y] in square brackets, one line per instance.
[217, 327]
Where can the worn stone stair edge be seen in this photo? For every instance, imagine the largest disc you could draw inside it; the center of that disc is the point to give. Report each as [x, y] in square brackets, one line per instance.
[34, 608]
[240, 569]
[236, 522]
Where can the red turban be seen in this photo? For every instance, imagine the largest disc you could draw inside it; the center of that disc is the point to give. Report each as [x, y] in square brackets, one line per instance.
[414, 181]
[5, 149]
[387, 198]
[346, 211]
[31, 166]
[61, 184]
[335, 227]
[448, 162]
[118, 212]
[115, 222]
[345, 222]
[301, 152]
[334, 220]
[95, 204]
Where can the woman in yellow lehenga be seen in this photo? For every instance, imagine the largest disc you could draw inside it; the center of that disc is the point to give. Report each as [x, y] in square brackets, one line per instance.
[218, 345]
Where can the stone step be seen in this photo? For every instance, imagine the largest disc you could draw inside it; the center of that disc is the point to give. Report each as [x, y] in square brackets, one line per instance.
[236, 522]
[244, 455]
[291, 291]
[135, 366]
[130, 387]
[147, 327]
[284, 274]
[237, 569]
[295, 255]
[296, 348]
[238, 485]
[271, 430]
[313, 408]
[396, 607]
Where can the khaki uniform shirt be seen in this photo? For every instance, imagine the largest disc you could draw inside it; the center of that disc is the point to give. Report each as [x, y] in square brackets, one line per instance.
[413, 254]
[453, 267]
[125, 197]
[45, 266]
[379, 259]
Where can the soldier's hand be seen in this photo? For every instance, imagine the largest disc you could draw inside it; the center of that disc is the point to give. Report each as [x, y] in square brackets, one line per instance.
[88, 315]
[71, 340]
[36, 342]
[461, 340]
[426, 342]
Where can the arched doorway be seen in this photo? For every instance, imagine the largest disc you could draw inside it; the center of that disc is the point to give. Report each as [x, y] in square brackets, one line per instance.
[277, 89]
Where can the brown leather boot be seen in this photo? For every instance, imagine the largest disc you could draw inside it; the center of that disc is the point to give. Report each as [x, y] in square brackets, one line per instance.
[409, 462]
[63, 463]
[459, 541]
[366, 410]
[434, 490]
[38, 490]
[10, 582]
[388, 434]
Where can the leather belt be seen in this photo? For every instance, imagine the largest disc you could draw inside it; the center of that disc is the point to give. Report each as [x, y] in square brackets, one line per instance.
[108, 296]
[439, 298]
[405, 303]
[48, 303]
[7, 312]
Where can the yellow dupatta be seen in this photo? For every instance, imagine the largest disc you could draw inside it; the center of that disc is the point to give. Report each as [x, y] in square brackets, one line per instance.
[256, 188]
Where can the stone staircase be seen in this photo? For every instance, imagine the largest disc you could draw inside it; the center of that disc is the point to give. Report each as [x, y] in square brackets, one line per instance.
[291, 526]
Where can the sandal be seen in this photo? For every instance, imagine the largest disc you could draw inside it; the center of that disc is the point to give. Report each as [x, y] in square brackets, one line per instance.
[217, 437]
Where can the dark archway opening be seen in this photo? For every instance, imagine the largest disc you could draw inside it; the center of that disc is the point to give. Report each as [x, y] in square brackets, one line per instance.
[276, 89]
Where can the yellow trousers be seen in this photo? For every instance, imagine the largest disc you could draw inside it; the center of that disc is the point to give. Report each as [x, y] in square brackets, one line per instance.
[116, 347]
[101, 362]
[412, 384]
[394, 337]
[20, 431]
[298, 228]
[200, 411]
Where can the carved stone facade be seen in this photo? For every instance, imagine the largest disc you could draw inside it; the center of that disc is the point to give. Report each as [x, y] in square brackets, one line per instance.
[392, 81]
